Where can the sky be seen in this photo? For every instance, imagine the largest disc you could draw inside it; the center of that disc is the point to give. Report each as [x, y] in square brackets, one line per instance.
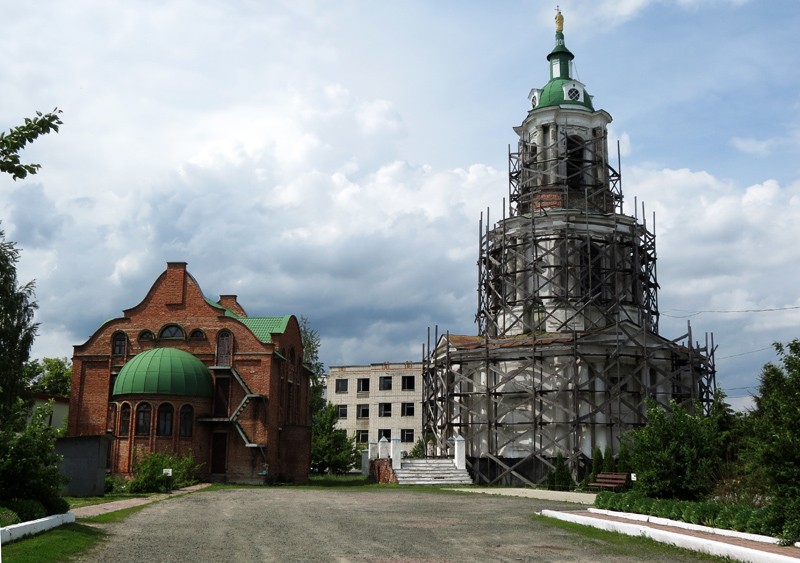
[332, 159]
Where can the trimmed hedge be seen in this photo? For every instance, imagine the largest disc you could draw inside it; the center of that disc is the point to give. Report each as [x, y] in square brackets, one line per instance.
[772, 520]
[8, 517]
[26, 509]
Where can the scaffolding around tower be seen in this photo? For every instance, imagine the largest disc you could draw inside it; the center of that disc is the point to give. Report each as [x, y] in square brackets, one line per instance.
[568, 352]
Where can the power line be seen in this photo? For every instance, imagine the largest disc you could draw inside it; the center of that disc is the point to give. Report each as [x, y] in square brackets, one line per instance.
[744, 353]
[695, 313]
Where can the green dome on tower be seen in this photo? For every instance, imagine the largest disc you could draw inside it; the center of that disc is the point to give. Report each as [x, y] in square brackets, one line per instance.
[164, 371]
[562, 89]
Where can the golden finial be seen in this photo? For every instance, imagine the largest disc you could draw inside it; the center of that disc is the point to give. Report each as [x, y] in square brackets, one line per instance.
[559, 21]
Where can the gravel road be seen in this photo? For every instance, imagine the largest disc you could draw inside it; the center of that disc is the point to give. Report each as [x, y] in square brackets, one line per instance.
[287, 524]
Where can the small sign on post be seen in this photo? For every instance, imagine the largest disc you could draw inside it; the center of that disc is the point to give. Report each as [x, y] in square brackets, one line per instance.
[633, 476]
[167, 472]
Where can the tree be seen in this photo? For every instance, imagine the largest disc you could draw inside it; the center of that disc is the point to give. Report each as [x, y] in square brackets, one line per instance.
[311, 343]
[776, 419]
[17, 138]
[775, 448]
[50, 375]
[597, 463]
[675, 455]
[17, 332]
[559, 478]
[331, 450]
[28, 461]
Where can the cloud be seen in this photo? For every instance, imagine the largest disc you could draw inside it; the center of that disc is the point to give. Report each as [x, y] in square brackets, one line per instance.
[723, 248]
[752, 146]
[379, 116]
[316, 160]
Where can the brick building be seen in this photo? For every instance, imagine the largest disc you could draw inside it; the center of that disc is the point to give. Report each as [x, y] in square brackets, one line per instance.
[378, 400]
[180, 373]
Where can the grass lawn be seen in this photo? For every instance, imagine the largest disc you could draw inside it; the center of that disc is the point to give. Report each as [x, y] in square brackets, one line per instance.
[57, 544]
[624, 545]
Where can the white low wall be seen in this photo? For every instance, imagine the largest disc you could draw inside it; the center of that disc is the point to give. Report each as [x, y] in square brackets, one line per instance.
[17, 531]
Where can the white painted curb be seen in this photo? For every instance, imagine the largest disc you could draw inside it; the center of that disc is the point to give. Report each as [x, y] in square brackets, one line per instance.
[686, 525]
[703, 545]
[17, 531]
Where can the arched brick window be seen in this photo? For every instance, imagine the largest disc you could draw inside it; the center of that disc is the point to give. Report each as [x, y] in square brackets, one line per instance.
[186, 421]
[143, 415]
[172, 332]
[146, 335]
[119, 344]
[224, 348]
[197, 334]
[164, 420]
[124, 420]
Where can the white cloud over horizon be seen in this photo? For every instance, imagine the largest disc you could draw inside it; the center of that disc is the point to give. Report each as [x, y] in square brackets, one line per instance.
[332, 159]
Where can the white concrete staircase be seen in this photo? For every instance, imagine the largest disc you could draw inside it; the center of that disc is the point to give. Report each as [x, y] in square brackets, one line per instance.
[431, 472]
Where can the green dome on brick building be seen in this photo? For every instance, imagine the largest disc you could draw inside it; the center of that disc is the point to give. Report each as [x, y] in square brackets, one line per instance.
[164, 371]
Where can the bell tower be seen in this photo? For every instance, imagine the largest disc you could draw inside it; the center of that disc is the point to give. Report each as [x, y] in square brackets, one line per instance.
[566, 258]
[568, 352]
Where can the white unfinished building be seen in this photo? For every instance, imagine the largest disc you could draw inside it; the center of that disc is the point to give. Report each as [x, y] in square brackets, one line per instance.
[568, 351]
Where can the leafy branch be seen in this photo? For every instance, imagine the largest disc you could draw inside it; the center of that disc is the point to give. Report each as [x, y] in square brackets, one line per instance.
[17, 138]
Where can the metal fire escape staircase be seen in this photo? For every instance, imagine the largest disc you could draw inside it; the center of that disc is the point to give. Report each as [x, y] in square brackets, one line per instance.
[233, 419]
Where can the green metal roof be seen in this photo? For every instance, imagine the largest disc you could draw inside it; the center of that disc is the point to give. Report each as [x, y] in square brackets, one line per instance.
[228, 312]
[553, 95]
[164, 371]
[264, 327]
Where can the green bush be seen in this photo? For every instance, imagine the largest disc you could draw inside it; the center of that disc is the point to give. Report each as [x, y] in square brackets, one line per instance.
[655, 508]
[418, 451]
[674, 455]
[28, 461]
[603, 499]
[597, 463]
[791, 530]
[560, 479]
[677, 510]
[706, 513]
[666, 508]
[740, 519]
[643, 505]
[609, 465]
[148, 473]
[616, 502]
[56, 505]
[758, 523]
[8, 517]
[116, 484]
[26, 509]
